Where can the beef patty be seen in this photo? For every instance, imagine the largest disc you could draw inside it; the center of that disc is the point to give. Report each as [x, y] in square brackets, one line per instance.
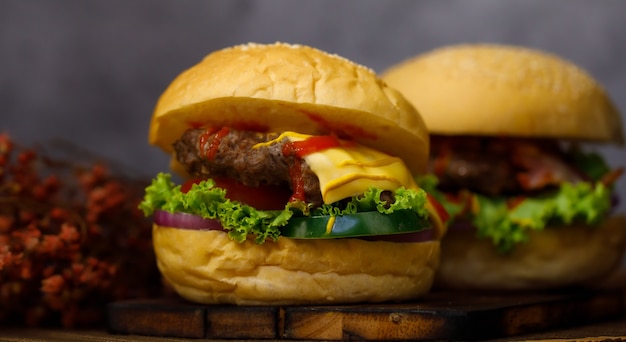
[231, 154]
[500, 166]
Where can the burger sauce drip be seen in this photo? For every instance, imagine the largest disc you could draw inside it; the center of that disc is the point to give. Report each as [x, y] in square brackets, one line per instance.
[213, 137]
[311, 145]
[300, 149]
[345, 130]
[514, 202]
[441, 211]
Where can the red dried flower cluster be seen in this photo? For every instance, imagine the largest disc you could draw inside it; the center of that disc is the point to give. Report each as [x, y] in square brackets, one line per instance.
[71, 240]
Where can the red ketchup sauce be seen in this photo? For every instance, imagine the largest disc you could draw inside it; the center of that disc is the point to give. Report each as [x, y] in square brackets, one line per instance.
[513, 202]
[300, 149]
[212, 136]
[441, 211]
[311, 145]
[341, 130]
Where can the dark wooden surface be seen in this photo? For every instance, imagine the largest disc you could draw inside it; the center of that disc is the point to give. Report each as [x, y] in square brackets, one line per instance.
[612, 330]
[439, 316]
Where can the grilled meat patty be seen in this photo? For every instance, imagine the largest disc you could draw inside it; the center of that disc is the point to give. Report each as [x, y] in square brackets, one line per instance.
[231, 154]
[499, 166]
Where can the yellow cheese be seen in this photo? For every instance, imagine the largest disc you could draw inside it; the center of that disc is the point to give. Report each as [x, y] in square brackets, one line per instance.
[349, 170]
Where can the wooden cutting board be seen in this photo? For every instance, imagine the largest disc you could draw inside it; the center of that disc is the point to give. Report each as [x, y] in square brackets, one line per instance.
[438, 316]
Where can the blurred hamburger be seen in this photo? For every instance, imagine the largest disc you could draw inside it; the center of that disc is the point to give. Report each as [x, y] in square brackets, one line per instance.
[298, 182]
[531, 205]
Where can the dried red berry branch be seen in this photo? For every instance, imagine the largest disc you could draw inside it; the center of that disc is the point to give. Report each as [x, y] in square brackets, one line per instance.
[71, 239]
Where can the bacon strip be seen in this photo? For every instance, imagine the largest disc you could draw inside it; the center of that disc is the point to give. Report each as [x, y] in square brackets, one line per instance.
[612, 176]
[540, 169]
[503, 166]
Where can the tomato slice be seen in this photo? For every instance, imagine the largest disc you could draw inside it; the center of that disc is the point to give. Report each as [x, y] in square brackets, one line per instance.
[264, 197]
[443, 213]
[188, 184]
[363, 224]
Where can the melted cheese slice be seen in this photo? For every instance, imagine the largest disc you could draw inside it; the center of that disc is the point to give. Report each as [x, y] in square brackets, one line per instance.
[350, 170]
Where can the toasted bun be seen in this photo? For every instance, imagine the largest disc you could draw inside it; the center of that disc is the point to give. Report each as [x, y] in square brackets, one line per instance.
[552, 258]
[281, 87]
[208, 267]
[505, 90]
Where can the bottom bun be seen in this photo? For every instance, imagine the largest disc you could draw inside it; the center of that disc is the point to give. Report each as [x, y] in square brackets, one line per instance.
[208, 267]
[552, 258]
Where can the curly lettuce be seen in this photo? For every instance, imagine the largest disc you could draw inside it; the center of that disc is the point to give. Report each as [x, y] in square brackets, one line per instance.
[507, 221]
[241, 221]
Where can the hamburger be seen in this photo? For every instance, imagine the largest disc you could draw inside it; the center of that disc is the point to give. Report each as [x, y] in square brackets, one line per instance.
[513, 133]
[293, 182]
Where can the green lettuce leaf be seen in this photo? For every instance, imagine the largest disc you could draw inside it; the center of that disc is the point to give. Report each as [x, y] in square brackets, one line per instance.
[370, 201]
[506, 225]
[205, 200]
[241, 220]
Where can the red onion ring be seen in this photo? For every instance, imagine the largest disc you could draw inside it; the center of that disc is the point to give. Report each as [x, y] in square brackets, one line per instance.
[185, 221]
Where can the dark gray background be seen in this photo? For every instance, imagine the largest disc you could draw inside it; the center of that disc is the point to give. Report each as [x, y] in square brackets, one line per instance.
[90, 71]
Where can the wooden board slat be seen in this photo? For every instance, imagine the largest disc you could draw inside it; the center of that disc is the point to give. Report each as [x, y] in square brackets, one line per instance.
[439, 316]
[158, 317]
[242, 322]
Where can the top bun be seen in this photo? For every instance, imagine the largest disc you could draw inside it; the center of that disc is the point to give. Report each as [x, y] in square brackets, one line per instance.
[502, 90]
[280, 87]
